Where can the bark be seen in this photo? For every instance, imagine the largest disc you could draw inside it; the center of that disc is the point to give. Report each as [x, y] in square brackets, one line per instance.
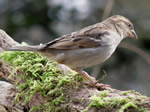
[8, 91]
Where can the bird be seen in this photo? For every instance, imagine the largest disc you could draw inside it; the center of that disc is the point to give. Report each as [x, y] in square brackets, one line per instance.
[87, 47]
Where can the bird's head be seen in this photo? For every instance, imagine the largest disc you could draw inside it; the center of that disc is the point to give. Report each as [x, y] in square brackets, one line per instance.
[123, 26]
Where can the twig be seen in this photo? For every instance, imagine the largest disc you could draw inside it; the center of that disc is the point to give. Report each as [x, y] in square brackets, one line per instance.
[103, 76]
[108, 9]
[136, 50]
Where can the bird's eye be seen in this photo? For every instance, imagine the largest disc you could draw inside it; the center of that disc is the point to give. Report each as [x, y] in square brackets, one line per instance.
[129, 25]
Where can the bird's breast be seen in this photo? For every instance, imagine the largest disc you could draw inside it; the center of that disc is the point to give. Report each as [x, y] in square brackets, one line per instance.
[85, 57]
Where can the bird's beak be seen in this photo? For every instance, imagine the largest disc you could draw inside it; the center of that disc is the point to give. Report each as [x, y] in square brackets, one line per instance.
[132, 34]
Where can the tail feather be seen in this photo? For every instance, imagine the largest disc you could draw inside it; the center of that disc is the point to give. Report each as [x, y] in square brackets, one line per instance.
[23, 48]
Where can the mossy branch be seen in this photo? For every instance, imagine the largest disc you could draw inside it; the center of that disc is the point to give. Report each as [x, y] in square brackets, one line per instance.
[39, 84]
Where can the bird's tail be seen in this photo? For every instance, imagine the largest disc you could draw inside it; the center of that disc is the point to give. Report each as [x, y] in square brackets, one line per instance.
[23, 48]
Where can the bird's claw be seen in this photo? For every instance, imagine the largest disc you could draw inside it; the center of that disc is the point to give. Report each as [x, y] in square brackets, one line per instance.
[101, 85]
[98, 85]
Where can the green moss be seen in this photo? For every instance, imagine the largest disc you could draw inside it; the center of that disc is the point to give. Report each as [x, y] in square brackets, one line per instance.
[104, 93]
[127, 92]
[132, 92]
[104, 101]
[128, 105]
[40, 75]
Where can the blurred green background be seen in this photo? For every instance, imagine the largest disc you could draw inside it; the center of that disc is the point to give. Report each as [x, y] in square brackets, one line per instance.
[39, 21]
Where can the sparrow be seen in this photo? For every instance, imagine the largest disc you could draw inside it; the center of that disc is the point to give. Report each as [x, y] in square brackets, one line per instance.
[87, 47]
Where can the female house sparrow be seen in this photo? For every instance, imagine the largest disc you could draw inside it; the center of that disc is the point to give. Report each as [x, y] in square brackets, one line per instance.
[87, 47]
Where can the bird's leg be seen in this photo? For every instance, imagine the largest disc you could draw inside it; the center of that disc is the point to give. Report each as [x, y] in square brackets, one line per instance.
[88, 77]
[92, 80]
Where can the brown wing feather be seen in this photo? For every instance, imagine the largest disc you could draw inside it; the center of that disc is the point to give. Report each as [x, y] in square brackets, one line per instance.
[86, 38]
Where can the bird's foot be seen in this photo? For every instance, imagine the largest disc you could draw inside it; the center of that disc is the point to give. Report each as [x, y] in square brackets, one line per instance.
[92, 82]
[101, 85]
[98, 85]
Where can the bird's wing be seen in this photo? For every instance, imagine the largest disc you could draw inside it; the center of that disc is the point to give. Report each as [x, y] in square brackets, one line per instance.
[88, 37]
